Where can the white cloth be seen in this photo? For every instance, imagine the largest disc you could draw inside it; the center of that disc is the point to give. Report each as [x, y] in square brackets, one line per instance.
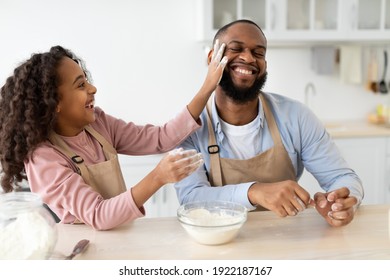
[323, 60]
[351, 64]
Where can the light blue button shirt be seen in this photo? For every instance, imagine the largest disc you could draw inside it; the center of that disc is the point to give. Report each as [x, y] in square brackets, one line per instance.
[304, 137]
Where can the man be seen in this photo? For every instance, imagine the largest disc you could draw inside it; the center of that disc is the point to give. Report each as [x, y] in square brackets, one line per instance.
[256, 144]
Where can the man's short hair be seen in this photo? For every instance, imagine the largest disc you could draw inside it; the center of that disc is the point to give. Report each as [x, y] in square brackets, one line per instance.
[224, 28]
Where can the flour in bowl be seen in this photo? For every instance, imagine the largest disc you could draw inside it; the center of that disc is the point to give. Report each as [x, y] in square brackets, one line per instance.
[212, 228]
[203, 217]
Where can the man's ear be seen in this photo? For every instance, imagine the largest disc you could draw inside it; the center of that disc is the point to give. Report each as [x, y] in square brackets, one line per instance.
[209, 56]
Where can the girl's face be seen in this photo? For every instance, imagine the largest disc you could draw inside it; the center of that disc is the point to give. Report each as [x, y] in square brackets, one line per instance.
[75, 109]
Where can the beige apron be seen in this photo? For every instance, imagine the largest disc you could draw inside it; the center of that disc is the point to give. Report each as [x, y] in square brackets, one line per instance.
[104, 177]
[272, 165]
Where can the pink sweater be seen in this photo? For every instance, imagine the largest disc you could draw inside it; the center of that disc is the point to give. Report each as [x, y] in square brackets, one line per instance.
[53, 176]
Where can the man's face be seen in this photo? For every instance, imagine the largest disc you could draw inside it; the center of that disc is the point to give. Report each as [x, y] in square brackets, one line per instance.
[245, 73]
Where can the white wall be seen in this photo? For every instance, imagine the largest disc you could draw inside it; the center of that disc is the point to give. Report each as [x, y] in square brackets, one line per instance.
[144, 58]
[142, 53]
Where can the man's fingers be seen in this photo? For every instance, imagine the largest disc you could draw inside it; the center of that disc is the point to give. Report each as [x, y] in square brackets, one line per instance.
[299, 204]
[339, 193]
[320, 200]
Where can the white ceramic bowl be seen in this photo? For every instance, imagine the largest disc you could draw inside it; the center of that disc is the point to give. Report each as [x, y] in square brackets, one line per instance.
[212, 222]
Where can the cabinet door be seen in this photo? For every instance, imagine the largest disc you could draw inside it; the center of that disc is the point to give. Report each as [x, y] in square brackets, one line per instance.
[387, 14]
[387, 177]
[308, 21]
[164, 202]
[213, 14]
[281, 20]
[169, 201]
[301, 21]
[368, 20]
[367, 156]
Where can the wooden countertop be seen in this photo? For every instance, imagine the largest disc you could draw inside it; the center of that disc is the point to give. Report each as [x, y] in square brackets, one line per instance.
[263, 236]
[349, 129]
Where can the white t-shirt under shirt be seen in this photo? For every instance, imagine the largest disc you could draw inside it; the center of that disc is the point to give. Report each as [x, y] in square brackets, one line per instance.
[244, 139]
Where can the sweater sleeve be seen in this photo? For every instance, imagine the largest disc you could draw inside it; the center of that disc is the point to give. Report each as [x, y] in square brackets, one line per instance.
[131, 139]
[52, 175]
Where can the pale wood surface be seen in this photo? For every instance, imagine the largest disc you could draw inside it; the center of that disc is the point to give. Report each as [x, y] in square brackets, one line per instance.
[263, 236]
[351, 129]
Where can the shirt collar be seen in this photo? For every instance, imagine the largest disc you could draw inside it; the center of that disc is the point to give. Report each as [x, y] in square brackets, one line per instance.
[217, 123]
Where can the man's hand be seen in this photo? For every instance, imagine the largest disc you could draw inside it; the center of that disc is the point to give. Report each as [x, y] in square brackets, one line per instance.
[337, 207]
[285, 198]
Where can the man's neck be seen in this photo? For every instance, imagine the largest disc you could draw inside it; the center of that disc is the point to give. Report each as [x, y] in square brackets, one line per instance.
[235, 113]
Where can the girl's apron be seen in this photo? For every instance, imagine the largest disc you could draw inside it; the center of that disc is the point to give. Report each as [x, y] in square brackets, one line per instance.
[272, 165]
[104, 177]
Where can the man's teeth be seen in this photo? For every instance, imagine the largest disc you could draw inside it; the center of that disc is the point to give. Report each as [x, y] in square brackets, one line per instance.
[243, 71]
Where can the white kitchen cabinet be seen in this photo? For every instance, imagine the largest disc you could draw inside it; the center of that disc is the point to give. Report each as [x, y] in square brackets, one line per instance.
[368, 157]
[369, 20]
[301, 21]
[164, 202]
[213, 14]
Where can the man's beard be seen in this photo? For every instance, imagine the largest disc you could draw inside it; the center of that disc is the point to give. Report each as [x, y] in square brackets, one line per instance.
[242, 95]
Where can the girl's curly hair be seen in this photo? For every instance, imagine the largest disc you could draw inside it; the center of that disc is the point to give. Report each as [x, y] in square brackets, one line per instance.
[28, 102]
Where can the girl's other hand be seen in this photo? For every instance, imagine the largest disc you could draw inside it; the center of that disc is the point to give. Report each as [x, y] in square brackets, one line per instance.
[178, 164]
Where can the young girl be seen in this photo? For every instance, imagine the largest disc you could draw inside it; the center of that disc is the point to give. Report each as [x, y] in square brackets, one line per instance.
[52, 134]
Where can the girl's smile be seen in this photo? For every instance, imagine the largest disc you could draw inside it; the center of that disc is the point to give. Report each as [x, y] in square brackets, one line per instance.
[76, 104]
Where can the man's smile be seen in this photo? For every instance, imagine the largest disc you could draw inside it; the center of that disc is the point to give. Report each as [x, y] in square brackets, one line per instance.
[246, 70]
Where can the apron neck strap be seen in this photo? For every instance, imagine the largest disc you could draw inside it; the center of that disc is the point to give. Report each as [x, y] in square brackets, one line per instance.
[105, 144]
[213, 149]
[61, 146]
[78, 161]
[273, 128]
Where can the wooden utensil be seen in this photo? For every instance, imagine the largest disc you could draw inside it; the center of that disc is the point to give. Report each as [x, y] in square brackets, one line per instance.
[382, 84]
[372, 74]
